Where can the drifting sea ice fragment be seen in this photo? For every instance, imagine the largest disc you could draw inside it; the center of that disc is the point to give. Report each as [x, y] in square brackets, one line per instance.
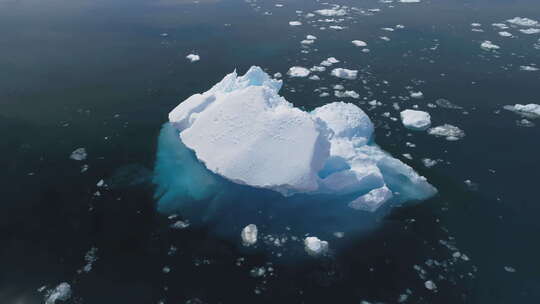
[530, 31]
[528, 68]
[297, 71]
[79, 154]
[314, 246]
[447, 104]
[430, 285]
[344, 73]
[488, 46]
[530, 110]
[415, 120]
[249, 235]
[359, 43]
[505, 34]
[451, 132]
[522, 21]
[331, 12]
[193, 57]
[62, 292]
[329, 61]
[295, 23]
[417, 95]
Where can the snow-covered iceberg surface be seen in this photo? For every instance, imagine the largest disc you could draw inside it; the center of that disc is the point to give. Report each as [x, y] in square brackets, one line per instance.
[245, 133]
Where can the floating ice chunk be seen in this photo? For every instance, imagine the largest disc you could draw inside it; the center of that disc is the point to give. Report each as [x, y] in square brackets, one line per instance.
[307, 41]
[277, 75]
[525, 123]
[346, 94]
[331, 12]
[530, 31]
[265, 142]
[90, 257]
[415, 120]
[509, 269]
[79, 154]
[372, 200]
[295, 23]
[297, 71]
[528, 68]
[488, 46]
[430, 285]
[336, 27]
[384, 38]
[62, 292]
[501, 26]
[249, 235]
[529, 110]
[505, 34]
[417, 95]
[344, 73]
[409, 1]
[447, 104]
[314, 246]
[311, 37]
[193, 57]
[449, 131]
[180, 225]
[359, 43]
[521, 21]
[329, 61]
[428, 162]
[476, 24]
[314, 77]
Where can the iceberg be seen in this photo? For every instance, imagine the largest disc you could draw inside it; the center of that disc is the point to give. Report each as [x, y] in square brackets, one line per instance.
[344, 73]
[314, 246]
[530, 110]
[242, 131]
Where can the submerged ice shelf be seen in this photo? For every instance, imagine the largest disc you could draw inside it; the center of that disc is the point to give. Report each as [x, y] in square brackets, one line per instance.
[243, 131]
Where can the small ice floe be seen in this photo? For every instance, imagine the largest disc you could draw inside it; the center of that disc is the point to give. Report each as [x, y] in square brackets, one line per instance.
[530, 110]
[528, 68]
[451, 132]
[530, 31]
[311, 37]
[488, 46]
[100, 183]
[430, 285]
[335, 12]
[164, 35]
[428, 162]
[522, 21]
[314, 246]
[193, 57]
[388, 29]
[295, 23]
[525, 123]
[166, 269]
[509, 269]
[90, 258]
[447, 104]
[79, 154]
[344, 73]
[62, 292]
[417, 95]
[346, 94]
[336, 27]
[471, 185]
[314, 77]
[476, 24]
[384, 38]
[505, 34]
[409, 1]
[359, 43]
[180, 225]
[307, 42]
[249, 235]
[372, 200]
[298, 71]
[415, 120]
[407, 156]
[329, 61]
[501, 26]
[278, 75]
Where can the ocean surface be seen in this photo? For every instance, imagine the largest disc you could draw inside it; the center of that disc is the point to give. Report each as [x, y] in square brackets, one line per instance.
[103, 75]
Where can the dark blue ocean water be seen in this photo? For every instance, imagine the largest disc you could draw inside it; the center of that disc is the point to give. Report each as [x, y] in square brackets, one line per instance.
[100, 75]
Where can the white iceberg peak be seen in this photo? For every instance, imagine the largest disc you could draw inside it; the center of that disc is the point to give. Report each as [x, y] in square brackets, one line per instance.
[244, 131]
